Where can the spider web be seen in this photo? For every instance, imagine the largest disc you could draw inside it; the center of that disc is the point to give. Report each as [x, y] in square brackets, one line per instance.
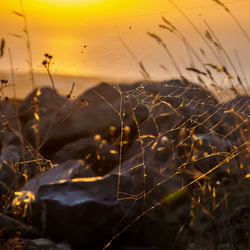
[187, 133]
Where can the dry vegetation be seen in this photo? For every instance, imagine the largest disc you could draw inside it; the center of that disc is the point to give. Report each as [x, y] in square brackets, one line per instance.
[209, 150]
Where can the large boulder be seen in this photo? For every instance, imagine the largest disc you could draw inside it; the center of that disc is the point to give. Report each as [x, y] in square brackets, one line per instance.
[90, 211]
[96, 210]
[63, 121]
[26, 196]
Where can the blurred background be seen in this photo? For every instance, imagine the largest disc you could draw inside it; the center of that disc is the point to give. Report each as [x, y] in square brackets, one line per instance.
[94, 40]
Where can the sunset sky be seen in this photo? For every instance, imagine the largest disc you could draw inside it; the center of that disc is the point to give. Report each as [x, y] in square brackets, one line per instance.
[92, 37]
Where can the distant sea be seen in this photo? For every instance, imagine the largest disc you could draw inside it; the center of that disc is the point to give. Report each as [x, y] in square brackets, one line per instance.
[63, 84]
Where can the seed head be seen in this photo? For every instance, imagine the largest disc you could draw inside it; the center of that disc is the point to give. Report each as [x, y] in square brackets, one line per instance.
[97, 138]
[112, 130]
[127, 130]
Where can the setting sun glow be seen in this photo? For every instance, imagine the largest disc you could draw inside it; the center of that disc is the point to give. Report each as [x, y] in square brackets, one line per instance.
[85, 36]
[71, 2]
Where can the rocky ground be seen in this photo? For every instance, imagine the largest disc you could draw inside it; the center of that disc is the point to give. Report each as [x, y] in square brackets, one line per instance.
[129, 166]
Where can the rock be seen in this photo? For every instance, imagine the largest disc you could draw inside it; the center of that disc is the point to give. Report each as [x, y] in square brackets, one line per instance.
[93, 214]
[65, 121]
[45, 100]
[181, 90]
[129, 159]
[44, 244]
[36, 244]
[239, 104]
[7, 174]
[100, 155]
[11, 154]
[234, 115]
[140, 248]
[102, 108]
[25, 197]
[89, 210]
[63, 172]
[12, 173]
[63, 245]
[8, 122]
[4, 189]
[44, 105]
[173, 118]
[22, 161]
[210, 150]
[11, 227]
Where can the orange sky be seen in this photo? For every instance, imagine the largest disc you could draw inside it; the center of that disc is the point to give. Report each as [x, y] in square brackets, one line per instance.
[63, 27]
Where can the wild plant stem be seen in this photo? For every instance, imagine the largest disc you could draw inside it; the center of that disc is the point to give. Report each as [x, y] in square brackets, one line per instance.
[51, 78]
[225, 53]
[28, 44]
[15, 100]
[195, 28]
